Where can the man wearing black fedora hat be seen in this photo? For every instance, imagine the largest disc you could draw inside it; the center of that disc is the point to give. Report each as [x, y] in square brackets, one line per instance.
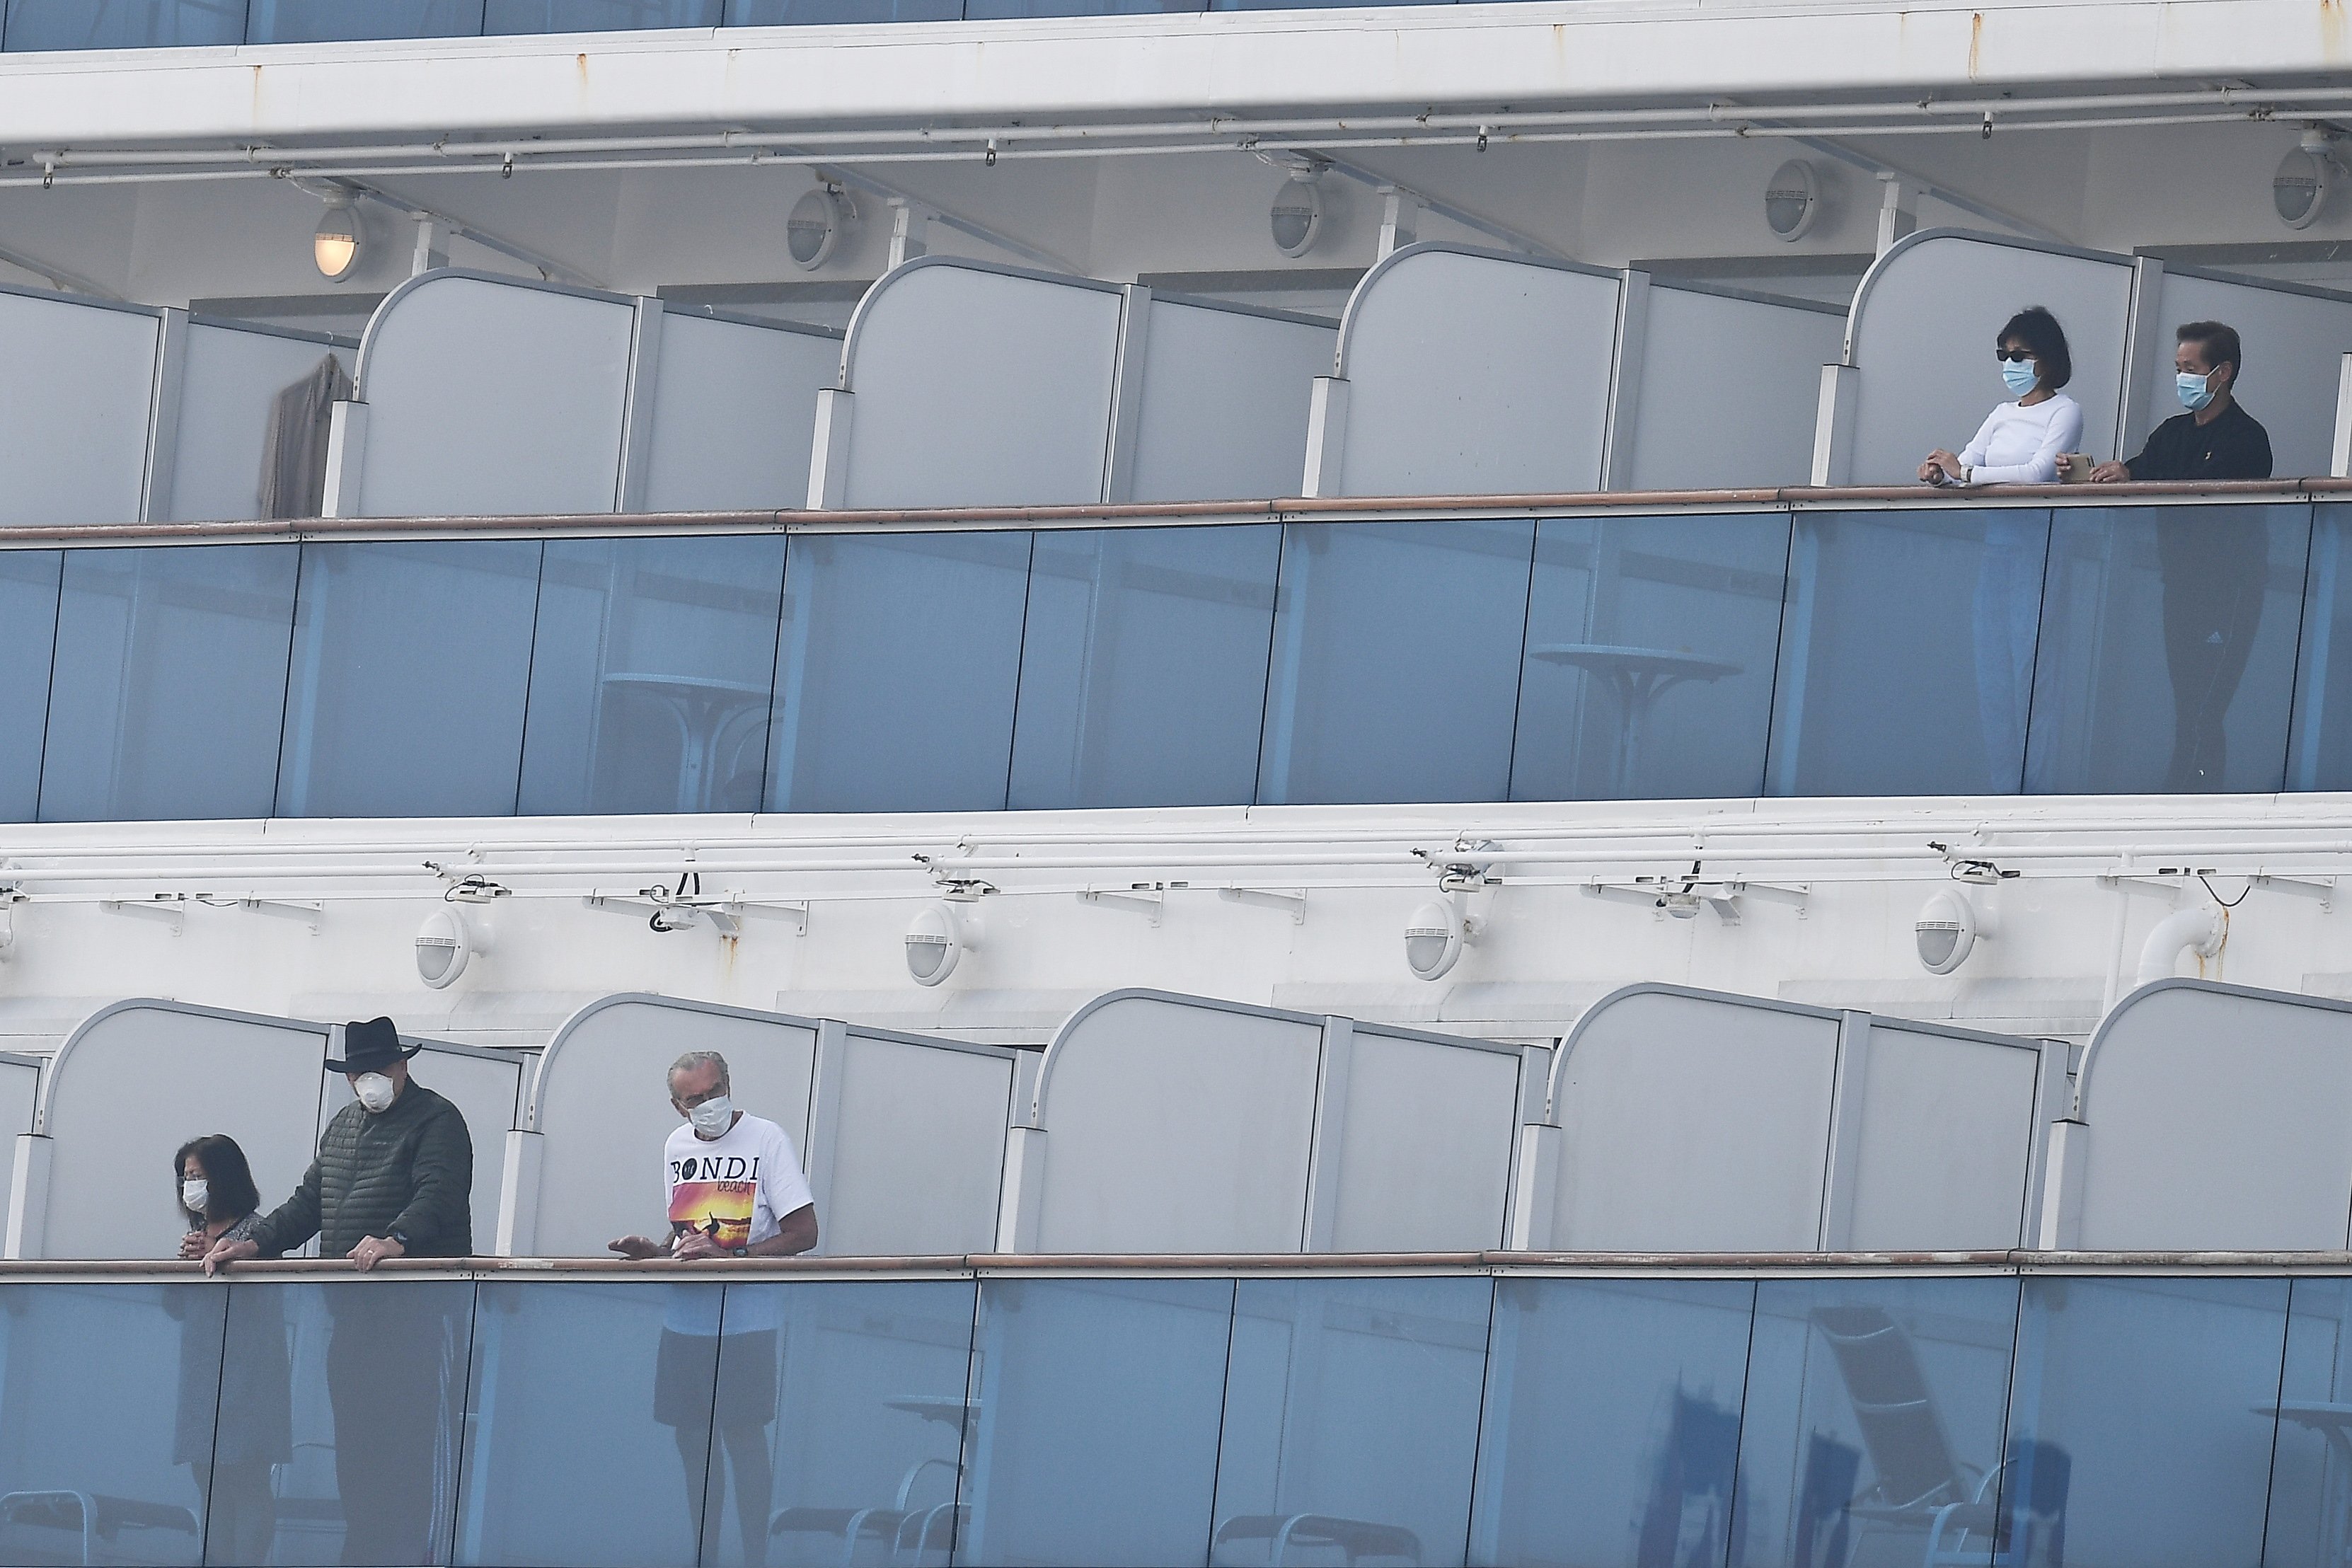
[393, 1177]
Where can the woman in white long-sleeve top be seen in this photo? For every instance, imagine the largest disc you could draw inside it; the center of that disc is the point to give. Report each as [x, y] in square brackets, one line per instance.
[2021, 442]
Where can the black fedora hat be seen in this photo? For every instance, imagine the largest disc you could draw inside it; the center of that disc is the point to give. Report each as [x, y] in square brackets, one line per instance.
[371, 1048]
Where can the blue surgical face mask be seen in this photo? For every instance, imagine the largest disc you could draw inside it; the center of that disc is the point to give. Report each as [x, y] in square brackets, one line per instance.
[2020, 375]
[2195, 394]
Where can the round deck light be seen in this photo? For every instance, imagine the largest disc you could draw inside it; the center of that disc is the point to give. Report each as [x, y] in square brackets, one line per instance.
[815, 227]
[2299, 189]
[1945, 931]
[1297, 218]
[1792, 199]
[1434, 938]
[340, 242]
[446, 943]
[936, 939]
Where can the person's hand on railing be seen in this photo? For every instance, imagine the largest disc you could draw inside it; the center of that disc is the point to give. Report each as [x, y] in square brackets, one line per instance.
[694, 1244]
[641, 1247]
[1941, 467]
[2110, 473]
[227, 1252]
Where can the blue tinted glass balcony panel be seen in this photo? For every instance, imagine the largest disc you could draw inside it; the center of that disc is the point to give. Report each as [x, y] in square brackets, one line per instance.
[589, 1470]
[896, 672]
[1611, 1434]
[1872, 1428]
[2310, 1518]
[1351, 1420]
[149, 24]
[1396, 659]
[107, 1395]
[170, 685]
[2319, 755]
[797, 13]
[500, 16]
[410, 668]
[991, 10]
[352, 1394]
[1143, 667]
[650, 675]
[2168, 649]
[852, 1395]
[28, 634]
[1906, 653]
[329, 21]
[2141, 1424]
[1651, 643]
[1094, 1424]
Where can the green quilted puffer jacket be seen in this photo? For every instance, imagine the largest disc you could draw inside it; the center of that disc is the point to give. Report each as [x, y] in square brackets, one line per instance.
[409, 1169]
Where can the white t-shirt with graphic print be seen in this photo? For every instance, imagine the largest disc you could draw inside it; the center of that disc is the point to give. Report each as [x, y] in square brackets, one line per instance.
[735, 1188]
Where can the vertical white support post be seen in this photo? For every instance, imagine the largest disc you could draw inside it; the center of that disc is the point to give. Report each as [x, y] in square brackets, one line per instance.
[1318, 1226]
[637, 406]
[1535, 1196]
[909, 226]
[1017, 1209]
[1841, 397]
[1625, 379]
[1898, 210]
[346, 459]
[821, 1146]
[1327, 438]
[1535, 1088]
[1127, 393]
[2144, 348]
[518, 1233]
[2340, 460]
[2061, 1187]
[1400, 221]
[432, 247]
[164, 416]
[829, 452]
[28, 1198]
[1838, 1169]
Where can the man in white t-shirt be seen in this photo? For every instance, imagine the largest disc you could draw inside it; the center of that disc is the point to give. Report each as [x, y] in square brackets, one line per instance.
[735, 1190]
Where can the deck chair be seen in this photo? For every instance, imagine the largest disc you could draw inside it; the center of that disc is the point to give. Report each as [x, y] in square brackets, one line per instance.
[88, 1529]
[1355, 1539]
[905, 1534]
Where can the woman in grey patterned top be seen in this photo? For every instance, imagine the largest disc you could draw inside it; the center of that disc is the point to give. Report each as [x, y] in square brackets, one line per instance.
[233, 1441]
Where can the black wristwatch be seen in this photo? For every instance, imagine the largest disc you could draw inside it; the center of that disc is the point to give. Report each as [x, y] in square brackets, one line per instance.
[399, 1235]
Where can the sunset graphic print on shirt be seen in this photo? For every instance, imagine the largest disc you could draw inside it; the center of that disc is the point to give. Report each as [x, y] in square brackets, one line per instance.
[720, 1210]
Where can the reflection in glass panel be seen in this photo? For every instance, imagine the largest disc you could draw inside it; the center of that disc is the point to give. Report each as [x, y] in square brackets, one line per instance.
[170, 683]
[363, 1385]
[28, 628]
[597, 16]
[2168, 649]
[1906, 657]
[896, 670]
[856, 1390]
[2140, 1425]
[1351, 1421]
[650, 674]
[1649, 661]
[1143, 667]
[1611, 1425]
[2320, 754]
[107, 1394]
[2310, 1520]
[320, 21]
[81, 25]
[784, 13]
[1094, 1429]
[589, 1470]
[1396, 657]
[1872, 1431]
[411, 662]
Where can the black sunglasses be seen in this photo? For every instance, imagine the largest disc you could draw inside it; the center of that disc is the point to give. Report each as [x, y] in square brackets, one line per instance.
[2014, 356]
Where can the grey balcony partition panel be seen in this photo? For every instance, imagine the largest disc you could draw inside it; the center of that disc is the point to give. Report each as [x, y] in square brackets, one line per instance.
[2294, 337]
[733, 402]
[77, 398]
[486, 1085]
[1722, 401]
[488, 395]
[1470, 372]
[1223, 394]
[971, 385]
[109, 1189]
[1687, 1120]
[20, 1090]
[1925, 320]
[1166, 1123]
[230, 379]
[2209, 1116]
[902, 1136]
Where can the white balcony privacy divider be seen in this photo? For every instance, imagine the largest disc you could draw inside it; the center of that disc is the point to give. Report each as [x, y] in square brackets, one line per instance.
[902, 1136]
[1682, 1120]
[1164, 1123]
[1471, 371]
[480, 395]
[138, 1078]
[123, 413]
[965, 384]
[20, 1088]
[2207, 1116]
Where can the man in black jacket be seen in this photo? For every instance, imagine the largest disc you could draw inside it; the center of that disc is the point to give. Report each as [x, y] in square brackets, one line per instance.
[2215, 439]
[394, 1178]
